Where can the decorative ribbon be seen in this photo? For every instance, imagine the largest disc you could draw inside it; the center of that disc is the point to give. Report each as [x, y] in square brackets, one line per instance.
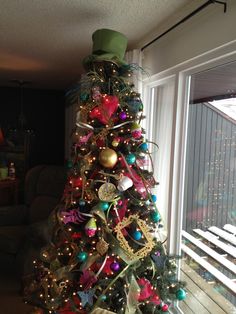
[138, 180]
[132, 297]
[73, 216]
[102, 266]
[83, 125]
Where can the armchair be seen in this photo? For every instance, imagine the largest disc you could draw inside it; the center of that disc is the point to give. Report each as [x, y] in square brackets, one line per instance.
[21, 226]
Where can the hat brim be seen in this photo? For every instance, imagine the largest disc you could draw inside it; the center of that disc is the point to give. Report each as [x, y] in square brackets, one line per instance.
[104, 57]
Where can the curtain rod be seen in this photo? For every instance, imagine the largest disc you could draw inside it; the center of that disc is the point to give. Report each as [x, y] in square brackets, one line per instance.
[203, 6]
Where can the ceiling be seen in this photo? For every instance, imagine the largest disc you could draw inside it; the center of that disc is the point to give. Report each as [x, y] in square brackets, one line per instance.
[44, 42]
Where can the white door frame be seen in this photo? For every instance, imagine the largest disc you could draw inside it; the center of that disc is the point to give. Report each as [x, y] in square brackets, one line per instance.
[182, 73]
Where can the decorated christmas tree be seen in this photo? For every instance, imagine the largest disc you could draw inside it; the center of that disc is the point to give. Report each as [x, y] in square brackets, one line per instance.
[105, 255]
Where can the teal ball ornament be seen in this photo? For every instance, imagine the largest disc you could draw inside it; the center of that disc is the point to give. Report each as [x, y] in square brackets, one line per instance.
[137, 235]
[130, 159]
[82, 202]
[69, 164]
[104, 206]
[103, 297]
[180, 294]
[82, 256]
[155, 217]
[144, 146]
[84, 96]
[154, 198]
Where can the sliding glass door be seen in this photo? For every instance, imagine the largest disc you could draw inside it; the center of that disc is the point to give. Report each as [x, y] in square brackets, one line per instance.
[209, 196]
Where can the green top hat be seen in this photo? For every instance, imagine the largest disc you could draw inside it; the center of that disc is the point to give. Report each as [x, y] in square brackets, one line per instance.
[108, 45]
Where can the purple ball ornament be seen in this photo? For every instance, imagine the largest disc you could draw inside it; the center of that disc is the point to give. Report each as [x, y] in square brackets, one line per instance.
[122, 115]
[115, 266]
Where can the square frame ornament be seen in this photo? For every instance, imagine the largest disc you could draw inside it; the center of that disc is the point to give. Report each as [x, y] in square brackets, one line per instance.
[144, 251]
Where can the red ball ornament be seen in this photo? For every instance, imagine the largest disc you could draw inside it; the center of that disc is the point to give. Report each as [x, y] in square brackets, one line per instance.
[76, 182]
[165, 308]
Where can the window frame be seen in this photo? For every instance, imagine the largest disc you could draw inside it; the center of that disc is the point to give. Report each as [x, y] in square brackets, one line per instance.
[182, 74]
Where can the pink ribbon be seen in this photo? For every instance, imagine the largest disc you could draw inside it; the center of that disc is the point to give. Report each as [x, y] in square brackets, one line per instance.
[73, 216]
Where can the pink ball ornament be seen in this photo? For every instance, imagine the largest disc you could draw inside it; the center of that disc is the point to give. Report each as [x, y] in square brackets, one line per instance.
[136, 130]
[136, 134]
[165, 308]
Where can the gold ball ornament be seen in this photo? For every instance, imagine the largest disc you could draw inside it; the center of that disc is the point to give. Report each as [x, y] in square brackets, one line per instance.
[115, 143]
[108, 158]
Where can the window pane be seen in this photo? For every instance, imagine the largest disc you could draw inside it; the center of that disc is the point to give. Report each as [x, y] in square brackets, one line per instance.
[209, 220]
[159, 130]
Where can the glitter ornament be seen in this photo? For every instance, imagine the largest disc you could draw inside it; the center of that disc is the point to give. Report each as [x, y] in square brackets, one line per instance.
[130, 159]
[165, 307]
[82, 256]
[115, 266]
[144, 146]
[108, 158]
[137, 134]
[181, 294]
[91, 227]
[155, 217]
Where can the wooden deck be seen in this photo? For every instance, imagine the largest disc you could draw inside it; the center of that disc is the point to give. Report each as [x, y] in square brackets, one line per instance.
[212, 253]
[201, 297]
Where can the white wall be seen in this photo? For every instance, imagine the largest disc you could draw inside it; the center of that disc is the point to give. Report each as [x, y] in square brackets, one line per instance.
[205, 31]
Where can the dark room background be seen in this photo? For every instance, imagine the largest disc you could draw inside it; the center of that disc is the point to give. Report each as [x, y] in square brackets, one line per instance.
[44, 112]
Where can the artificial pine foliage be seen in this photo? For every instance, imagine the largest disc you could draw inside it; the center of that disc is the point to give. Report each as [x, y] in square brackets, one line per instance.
[104, 255]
